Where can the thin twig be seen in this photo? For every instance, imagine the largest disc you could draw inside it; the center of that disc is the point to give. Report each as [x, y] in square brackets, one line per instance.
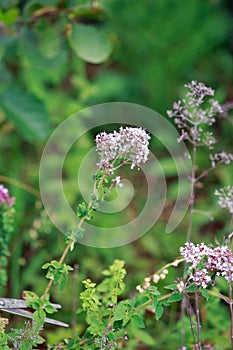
[22, 185]
[198, 320]
[74, 301]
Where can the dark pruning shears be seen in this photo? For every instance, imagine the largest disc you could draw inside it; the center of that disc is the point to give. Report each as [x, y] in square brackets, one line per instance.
[14, 306]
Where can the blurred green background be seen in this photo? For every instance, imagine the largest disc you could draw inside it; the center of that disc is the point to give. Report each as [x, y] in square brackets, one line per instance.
[60, 56]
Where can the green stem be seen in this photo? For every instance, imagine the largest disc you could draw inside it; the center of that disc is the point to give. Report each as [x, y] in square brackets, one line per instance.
[20, 184]
[69, 245]
[198, 320]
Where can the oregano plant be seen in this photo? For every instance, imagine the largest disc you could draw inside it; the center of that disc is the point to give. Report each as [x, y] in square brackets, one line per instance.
[110, 314]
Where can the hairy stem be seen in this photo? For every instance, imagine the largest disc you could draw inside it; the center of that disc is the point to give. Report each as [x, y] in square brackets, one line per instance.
[189, 312]
[188, 238]
[61, 260]
[192, 201]
[198, 321]
[70, 244]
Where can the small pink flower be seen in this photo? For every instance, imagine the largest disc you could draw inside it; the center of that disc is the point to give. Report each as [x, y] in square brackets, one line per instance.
[5, 197]
[128, 146]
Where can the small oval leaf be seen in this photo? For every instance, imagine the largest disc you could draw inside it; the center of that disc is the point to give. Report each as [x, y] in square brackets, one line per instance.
[175, 297]
[90, 43]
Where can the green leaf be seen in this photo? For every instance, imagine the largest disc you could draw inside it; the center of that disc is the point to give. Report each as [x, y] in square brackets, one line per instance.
[142, 335]
[154, 290]
[191, 288]
[62, 282]
[158, 311]
[175, 297]
[155, 301]
[140, 301]
[121, 312]
[45, 266]
[10, 16]
[204, 293]
[172, 286]
[137, 320]
[50, 309]
[90, 43]
[27, 113]
[39, 316]
[55, 264]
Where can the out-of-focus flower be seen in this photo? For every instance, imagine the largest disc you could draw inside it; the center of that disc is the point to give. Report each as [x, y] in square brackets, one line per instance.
[5, 197]
[225, 195]
[226, 107]
[128, 146]
[221, 157]
[117, 181]
[191, 118]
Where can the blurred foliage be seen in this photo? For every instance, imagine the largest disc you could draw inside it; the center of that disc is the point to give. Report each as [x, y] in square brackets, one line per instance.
[59, 56]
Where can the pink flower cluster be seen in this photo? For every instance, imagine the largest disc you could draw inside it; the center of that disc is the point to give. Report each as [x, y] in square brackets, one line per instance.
[5, 197]
[206, 261]
[128, 146]
[191, 118]
[221, 157]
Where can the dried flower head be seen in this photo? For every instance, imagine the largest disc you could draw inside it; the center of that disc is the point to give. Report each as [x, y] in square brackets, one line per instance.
[225, 199]
[128, 146]
[5, 197]
[192, 119]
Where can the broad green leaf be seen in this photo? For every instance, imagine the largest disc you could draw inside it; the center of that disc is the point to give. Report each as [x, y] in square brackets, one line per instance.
[205, 293]
[121, 312]
[27, 112]
[191, 288]
[39, 316]
[49, 42]
[137, 320]
[45, 266]
[155, 301]
[172, 286]
[175, 297]
[158, 311]
[154, 290]
[141, 300]
[50, 309]
[9, 17]
[90, 43]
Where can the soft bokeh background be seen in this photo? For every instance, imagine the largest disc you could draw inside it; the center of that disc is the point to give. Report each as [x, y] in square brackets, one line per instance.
[60, 56]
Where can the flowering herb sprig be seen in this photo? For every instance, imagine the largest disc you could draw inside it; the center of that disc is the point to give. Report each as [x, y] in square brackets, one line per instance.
[128, 146]
[193, 115]
[192, 118]
[204, 264]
